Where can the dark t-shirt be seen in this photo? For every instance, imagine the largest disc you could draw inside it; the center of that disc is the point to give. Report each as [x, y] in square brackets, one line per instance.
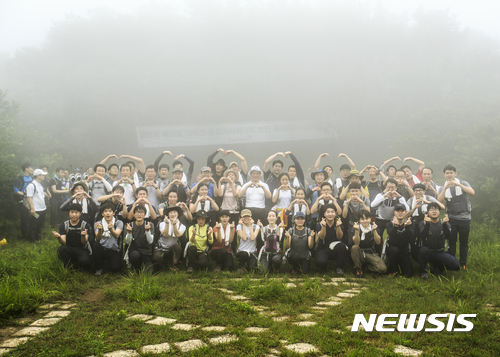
[58, 183]
[330, 236]
[73, 236]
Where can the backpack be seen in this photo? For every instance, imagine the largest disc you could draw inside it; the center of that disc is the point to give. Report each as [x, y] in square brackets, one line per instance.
[81, 228]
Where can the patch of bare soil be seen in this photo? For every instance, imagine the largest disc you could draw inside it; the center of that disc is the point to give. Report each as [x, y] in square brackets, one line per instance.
[92, 296]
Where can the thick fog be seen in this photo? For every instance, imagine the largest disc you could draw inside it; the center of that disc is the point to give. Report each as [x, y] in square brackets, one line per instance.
[366, 80]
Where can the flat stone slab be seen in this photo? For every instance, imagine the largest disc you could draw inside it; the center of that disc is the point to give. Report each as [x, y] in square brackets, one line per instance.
[30, 331]
[319, 308]
[338, 279]
[346, 295]
[267, 313]
[334, 298]
[290, 285]
[161, 321]
[190, 345]
[305, 323]
[255, 329]
[302, 348]
[328, 303]
[352, 291]
[237, 297]
[124, 353]
[46, 322]
[333, 283]
[350, 284]
[57, 314]
[274, 351]
[4, 351]
[280, 318]
[141, 317]
[67, 306]
[162, 347]
[47, 306]
[24, 320]
[223, 339]
[226, 291]
[14, 342]
[305, 316]
[184, 327]
[406, 351]
[214, 328]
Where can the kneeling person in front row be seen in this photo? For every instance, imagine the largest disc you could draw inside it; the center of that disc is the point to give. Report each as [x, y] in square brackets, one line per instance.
[140, 236]
[433, 233]
[224, 236]
[74, 238]
[363, 250]
[398, 244]
[300, 241]
[168, 245]
[330, 247]
[107, 240]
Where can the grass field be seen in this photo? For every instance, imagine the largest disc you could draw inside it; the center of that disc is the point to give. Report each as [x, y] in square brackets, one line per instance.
[32, 276]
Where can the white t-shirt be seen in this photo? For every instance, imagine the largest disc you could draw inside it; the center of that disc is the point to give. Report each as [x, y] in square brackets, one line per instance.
[247, 245]
[165, 243]
[255, 195]
[284, 198]
[35, 191]
[129, 192]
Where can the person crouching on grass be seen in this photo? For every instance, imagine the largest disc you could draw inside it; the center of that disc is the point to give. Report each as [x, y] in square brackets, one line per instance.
[247, 234]
[168, 245]
[330, 247]
[398, 244]
[107, 243]
[140, 236]
[74, 239]
[200, 237]
[271, 235]
[432, 235]
[224, 236]
[299, 241]
[363, 250]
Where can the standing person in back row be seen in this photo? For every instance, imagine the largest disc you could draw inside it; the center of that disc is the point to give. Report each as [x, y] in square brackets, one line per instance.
[455, 195]
[36, 199]
[20, 184]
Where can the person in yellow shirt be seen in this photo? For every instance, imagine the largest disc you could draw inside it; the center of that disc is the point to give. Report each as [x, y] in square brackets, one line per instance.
[200, 239]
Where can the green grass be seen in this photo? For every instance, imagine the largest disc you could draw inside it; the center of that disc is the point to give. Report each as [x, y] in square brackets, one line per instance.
[32, 275]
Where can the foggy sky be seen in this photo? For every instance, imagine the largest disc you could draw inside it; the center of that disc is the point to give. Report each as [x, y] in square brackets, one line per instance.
[25, 23]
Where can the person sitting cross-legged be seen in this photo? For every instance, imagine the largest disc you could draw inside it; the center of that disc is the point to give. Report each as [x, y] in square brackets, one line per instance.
[200, 237]
[432, 236]
[73, 236]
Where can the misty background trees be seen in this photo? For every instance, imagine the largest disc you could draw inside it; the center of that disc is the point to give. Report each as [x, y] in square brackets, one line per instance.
[389, 85]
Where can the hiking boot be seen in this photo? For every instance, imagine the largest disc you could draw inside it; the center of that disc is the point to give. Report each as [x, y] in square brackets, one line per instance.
[462, 266]
[359, 273]
[276, 270]
[294, 271]
[217, 268]
[391, 275]
[175, 268]
[98, 272]
[190, 269]
[340, 271]
[424, 276]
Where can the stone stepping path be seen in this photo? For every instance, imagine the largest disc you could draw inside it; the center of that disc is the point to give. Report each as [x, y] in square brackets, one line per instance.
[190, 345]
[406, 351]
[36, 327]
[305, 323]
[160, 321]
[302, 348]
[184, 327]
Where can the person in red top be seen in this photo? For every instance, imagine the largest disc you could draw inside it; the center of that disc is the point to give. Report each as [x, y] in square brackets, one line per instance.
[410, 177]
[224, 235]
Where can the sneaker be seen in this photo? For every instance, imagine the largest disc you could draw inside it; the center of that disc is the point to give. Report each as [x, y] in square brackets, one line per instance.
[359, 273]
[98, 272]
[340, 271]
[392, 275]
[276, 270]
[190, 269]
[175, 268]
[294, 271]
[241, 270]
[462, 266]
[424, 276]
[217, 268]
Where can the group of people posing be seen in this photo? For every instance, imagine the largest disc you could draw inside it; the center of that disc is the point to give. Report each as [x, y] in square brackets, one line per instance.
[153, 217]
